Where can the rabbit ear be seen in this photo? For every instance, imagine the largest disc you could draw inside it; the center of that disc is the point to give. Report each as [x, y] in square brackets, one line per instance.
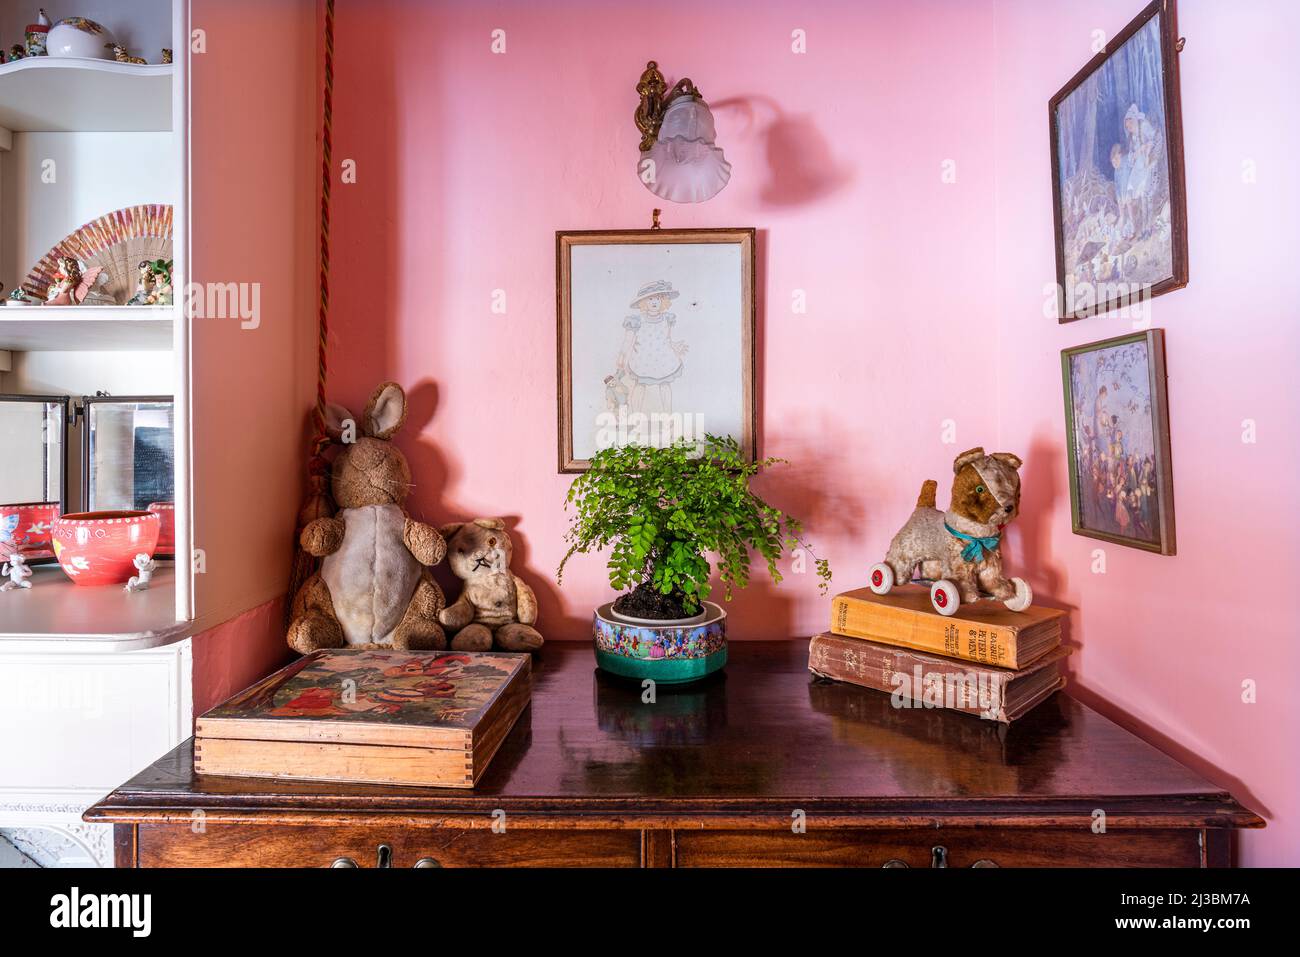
[494, 523]
[386, 411]
[1009, 458]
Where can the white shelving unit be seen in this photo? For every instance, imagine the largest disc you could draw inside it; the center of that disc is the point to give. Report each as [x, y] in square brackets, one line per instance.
[73, 95]
[86, 328]
[108, 672]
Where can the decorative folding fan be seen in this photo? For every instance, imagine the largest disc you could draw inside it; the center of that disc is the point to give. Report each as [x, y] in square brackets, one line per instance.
[116, 241]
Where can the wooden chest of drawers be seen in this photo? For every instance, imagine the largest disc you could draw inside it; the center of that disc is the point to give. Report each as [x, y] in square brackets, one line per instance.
[762, 766]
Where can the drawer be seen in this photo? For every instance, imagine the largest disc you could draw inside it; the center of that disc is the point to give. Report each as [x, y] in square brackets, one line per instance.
[962, 847]
[270, 845]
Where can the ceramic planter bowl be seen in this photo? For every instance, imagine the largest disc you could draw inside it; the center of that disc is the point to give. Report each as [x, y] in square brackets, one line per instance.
[31, 524]
[77, 36]
[97, 548]
[167, 529]
[666, 652]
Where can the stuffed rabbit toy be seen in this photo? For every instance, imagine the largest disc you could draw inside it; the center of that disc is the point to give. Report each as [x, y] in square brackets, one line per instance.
[373, 588]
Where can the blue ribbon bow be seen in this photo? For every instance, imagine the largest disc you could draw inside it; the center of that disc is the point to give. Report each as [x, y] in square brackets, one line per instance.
[975, 547]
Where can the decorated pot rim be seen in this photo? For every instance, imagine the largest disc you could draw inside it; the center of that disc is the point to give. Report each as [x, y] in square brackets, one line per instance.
[160, 506]
[9, 505]
[679, 642]
[124, 517]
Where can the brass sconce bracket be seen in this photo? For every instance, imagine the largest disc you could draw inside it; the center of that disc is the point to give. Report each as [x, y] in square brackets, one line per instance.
[655, 98]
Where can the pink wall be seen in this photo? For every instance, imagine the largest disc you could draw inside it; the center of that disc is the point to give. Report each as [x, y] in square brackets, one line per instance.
[253, 222]
[238, 653]
[467, 163]
[1165, 643]
[925, 301]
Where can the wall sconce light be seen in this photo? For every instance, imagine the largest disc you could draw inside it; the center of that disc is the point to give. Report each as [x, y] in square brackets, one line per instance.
[679, 160]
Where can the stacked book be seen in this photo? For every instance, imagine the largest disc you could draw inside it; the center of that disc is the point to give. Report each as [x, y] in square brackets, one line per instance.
[985, 660]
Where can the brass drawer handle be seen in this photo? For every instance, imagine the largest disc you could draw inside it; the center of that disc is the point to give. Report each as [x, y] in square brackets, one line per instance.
[343, 862]
[427, 862]
[984, 862]
[895, 862]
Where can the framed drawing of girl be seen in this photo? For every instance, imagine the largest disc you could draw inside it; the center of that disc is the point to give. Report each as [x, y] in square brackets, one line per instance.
[655, 337]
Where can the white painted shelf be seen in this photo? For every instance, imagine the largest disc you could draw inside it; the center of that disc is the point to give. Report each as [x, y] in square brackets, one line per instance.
[86, 328]
[74, 95]
[55, 609]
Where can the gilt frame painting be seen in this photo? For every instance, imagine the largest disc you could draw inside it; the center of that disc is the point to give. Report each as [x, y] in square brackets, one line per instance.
[655, 332]
[1117, 433]
[1119, 200]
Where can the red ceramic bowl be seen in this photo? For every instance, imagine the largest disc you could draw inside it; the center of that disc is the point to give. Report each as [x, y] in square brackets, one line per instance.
[32, 522]
[167, 532]
[97, 548]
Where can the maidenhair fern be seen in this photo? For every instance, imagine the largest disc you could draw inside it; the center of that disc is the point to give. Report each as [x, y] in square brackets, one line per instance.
[663, 511]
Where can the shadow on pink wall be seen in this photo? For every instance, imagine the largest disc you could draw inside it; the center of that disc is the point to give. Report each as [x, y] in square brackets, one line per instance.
[801, 166]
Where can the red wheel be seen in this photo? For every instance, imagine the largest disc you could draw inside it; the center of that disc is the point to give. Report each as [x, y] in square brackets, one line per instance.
[880, 579]
[944, 597]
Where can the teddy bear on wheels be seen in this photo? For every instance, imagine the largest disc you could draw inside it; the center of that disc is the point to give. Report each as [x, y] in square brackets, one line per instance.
[958, 550]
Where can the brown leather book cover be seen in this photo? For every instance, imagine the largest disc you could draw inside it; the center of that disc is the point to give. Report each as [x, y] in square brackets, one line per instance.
[917, 679]
[985, 631]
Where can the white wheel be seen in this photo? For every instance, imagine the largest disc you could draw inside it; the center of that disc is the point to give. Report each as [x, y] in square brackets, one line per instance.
[944, 597]
[1024, 595]
[881, 578]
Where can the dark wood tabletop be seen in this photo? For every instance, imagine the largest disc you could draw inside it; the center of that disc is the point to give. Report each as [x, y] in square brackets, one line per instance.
[753, 742]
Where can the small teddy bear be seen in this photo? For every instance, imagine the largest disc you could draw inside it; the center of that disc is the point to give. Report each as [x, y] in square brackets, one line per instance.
[495, 604]
[960, 546]
[374, 588]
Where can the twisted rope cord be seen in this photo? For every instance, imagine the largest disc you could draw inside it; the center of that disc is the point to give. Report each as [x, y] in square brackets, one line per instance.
[327, 123]
[317, 501]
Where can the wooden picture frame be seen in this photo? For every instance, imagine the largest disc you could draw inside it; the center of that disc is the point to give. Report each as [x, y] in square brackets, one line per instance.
[1112, 486]
[650, 354]
[1120, 231]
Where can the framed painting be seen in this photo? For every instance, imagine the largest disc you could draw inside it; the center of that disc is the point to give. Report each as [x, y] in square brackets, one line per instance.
[1117, 427]
[1118, 196]
[655, 338]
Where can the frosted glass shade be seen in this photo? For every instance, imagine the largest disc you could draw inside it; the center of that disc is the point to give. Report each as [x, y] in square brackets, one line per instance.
[685, 165]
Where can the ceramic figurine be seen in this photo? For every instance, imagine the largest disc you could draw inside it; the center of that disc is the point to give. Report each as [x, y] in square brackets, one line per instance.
[121, 56]
[16, 52]
[144, 290]
[15, 569]
[20, 298]
[72, 283]
[37, 34]
[145, 566]
[162, 278]
[166, 55]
